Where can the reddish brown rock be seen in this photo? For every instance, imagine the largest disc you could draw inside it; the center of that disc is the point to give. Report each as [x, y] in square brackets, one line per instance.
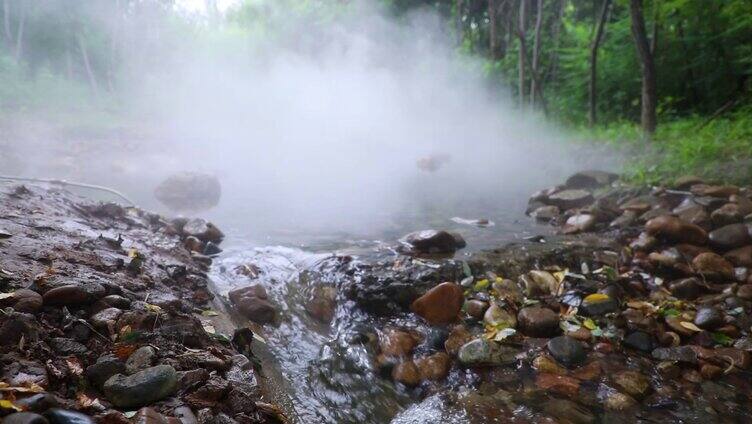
[23, 300]
[406, 373]
[559, 384]
[458, 336]
[741, 256]
[714, 190]
[252, 303]
[434, 367]
[674, 229]
[713, 266]
[400, 343]
[440, 305]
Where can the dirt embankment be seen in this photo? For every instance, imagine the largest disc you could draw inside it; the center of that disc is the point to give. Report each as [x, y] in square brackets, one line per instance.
[106, 318]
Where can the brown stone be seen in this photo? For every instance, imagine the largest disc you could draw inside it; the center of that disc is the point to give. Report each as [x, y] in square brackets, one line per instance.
[536, 321]
[458, 336]
[440, 305]
[406, 373]
[23, 300]
[741, 256]
[633, 383]
[434, 367]
[714, 190]
[674, 229]
[713, 266]
[545, 364]
[559, 384]
[399, 343]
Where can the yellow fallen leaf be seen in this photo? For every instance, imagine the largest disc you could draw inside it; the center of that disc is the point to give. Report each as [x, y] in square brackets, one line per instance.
[596, 297]
[5, 295]
[6, 404]
[689, 326]
[590, 324]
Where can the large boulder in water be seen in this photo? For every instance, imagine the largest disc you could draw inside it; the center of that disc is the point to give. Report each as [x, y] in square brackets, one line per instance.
[433, 241]
[189, 192]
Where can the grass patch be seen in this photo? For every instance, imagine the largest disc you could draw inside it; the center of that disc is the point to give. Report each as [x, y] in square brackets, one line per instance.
[719, 150]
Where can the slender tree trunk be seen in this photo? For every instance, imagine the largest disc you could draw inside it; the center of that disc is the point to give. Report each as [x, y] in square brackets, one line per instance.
[493, 36]
[87, 63]
[553, 66]
[521, 29]
[649, 89]
[535, 84]
[593, 93]
[20, 31]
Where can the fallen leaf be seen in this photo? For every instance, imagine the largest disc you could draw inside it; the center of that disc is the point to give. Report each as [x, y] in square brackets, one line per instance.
[6, 295]
[481, 285]
[74, 365]
[505, 333]
[6, 404]
[690, 326]
[209, 313]
[208, 327]
[596, 297]
[130, 414]
[123, 351]
[590, 324]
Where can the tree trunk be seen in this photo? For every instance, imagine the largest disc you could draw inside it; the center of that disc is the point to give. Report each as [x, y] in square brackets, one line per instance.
[535, 84]
[521, 29]
[20, 31]
[553, 64]
[87, 63]
[493, 37]
[592, 118]
[649, 90]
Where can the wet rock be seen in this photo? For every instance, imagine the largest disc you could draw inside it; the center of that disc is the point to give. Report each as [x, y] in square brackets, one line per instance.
[397, 342]
[590, 179]
[116, 301]
[640, 204]
[730, 236]
[544, 364]
[203, 230]
[65, 346]
[745, 291]
[580, 222]
[566, 411]
[440, 305]
[24, 373]
[545, 213]
[687, 181]
[73, 294]
[709, 318]
[106, 318]
[63, 416]
[16, 325]
[322, 302]
[712, 266]
[149, 416]
[711, 372]
[434, 367]
[639, 340]
[643, 243]
[141, 388]
[39, 402]
[23, 300]
[686, 288]
[202, 359]
[536, 321]
[741, 256]
[193, 244]
[685, 354]
[458, 336]
[140, 359]
[626, 219]
[561, 384]
[616, 401]
[483, 352]
[598, 305]
[210, 394]
[570, 199]
[24, 418]
[105, 367]
[406, 373]
[726, 214]
[633, 383]
[498, 317]
[475, 308]
[539, 283]
[252, 303]
[508, 290]
[714, 190]
[189, 191]
[193, 378]
[433, 241]
[566, 350]
[673, 229]
[675, 324]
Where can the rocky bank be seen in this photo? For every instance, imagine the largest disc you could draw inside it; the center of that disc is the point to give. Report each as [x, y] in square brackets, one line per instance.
[106, 318]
